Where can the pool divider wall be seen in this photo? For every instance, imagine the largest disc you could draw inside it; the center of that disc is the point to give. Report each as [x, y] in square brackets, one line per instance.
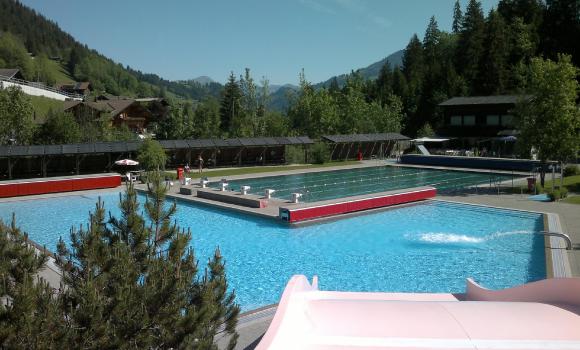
[354, 204]
[57, 185]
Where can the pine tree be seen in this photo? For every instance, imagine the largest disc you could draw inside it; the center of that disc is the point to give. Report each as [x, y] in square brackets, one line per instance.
[384, 83]
[29, 317]
[493, 71]
[414, 70]
[457, 18]
[431, 42]
[561, 29]
[231, 105]
[471, 40]
[130, 284]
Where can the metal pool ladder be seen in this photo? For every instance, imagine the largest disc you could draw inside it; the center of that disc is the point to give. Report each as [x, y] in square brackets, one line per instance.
[564, 236]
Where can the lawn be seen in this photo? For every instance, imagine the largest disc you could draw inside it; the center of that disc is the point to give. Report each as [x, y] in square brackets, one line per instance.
[58, 72]
[42, 105]
[572, 200]
[258, 170]
[572, 183]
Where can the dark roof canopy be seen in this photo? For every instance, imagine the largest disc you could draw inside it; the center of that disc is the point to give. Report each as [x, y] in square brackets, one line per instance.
[130, 146]
[485, 100]
[389, 136]
[10, 72]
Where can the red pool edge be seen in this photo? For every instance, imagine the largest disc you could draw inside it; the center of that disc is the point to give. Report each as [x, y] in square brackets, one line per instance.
[294, 215]
[57, 185]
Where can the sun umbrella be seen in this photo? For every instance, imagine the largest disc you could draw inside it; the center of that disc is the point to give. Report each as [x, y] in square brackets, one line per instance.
[126, 162]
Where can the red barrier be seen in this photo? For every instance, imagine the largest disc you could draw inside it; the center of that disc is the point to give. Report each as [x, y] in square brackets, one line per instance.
[319, 211]
[44, 186]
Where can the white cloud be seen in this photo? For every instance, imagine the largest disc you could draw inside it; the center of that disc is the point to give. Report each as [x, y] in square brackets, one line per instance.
[360, 7]
[318, 6]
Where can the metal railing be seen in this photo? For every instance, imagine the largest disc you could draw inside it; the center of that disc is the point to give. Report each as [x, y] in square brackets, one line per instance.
[564, 236]
[40, 86]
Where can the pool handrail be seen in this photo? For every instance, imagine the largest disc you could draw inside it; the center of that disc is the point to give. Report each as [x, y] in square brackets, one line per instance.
[564, 236]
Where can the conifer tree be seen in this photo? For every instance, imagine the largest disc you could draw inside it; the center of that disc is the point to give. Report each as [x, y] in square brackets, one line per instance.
[470, 46]
[493, 71]
[384, 83]
[457, 18]
[29, 317]
[129, 283]
[231, 105]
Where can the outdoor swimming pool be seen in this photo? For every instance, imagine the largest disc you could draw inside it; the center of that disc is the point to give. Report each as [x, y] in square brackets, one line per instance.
[317, 186]
[430, 247]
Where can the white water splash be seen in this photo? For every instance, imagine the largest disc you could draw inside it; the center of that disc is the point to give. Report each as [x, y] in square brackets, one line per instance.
[442, 237]
[432, 237]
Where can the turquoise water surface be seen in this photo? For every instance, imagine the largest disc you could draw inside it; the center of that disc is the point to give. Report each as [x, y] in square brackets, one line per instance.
[429, 247]
[317, 186]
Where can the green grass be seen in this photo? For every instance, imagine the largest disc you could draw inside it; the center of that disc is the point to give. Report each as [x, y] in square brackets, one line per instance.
[572, 183]
[258, 170]
[58, 72]
[572, 200]
[42, 105]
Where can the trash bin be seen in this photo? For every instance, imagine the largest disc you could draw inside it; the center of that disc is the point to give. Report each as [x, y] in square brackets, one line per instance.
[179, 173]
[531, 183]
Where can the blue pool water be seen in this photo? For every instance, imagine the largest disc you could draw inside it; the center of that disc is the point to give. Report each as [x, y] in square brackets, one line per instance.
[323, 185]
[428, 247]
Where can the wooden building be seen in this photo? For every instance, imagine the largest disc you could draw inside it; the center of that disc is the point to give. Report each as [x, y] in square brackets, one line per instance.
[82, 88]
[472, 119]
[136, 115]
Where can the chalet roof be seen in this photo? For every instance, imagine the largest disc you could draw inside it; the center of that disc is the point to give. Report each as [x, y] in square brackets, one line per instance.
[389, 136]
[83, 85]
[112, 106]
[68, 104]
[9, 72]
[485, 100]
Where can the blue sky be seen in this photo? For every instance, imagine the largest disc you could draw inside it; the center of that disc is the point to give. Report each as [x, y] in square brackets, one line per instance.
[183, 39]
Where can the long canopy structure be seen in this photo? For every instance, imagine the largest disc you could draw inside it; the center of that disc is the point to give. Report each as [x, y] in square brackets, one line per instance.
[39, 160]
[377, 145]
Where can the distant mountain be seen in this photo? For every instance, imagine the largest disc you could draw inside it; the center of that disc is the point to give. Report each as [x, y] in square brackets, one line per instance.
[372, 71]
[274, 88]
[204, 80]
[279, 99]
[279, 93]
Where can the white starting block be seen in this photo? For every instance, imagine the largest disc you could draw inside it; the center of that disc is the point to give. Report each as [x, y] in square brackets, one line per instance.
[268, 193]
[245, 190]
[203, 182]
[186, 181]
[296, 197]
[223, 185]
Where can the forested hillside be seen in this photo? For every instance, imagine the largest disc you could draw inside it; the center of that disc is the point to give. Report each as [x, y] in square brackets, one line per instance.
[484, 54]
[23, 31]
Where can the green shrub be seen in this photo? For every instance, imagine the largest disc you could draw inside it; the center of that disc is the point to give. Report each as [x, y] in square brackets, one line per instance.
[319, 153]
[571, 170]
[558, 193]
[294, 155]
